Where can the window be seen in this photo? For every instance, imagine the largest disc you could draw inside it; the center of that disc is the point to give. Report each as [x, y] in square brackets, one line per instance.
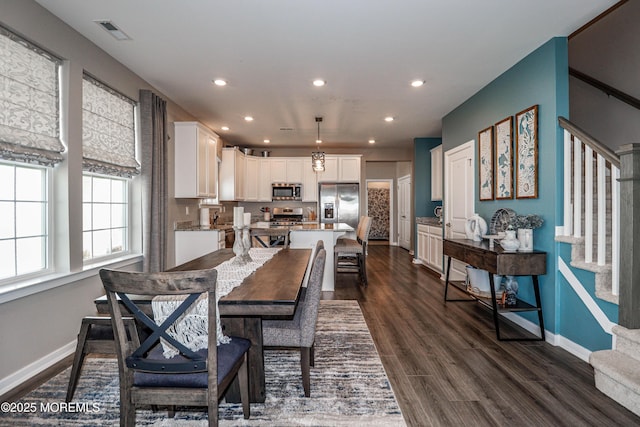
[23, 228]
[30, 147]
[104, 216]
[108, 144]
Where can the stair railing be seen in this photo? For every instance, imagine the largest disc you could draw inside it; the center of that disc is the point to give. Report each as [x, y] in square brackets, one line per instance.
[580, 149]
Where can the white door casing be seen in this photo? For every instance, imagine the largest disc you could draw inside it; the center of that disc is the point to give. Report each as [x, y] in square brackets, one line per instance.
[459, 186]
[404, 212]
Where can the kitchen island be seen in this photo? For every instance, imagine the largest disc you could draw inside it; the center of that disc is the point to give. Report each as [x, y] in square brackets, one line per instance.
[305, 236]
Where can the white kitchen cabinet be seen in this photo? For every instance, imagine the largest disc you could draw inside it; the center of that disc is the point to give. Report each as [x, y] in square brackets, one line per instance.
[279, 170]
[264, 180]
[340, 169]
[193, 244]
[309, 184]
[196, 168]
[252, 170]
[232, 175]
[257, 184]
[436, 173]
[349, 169]
[330, 172]
[287, 170]
[429, 246]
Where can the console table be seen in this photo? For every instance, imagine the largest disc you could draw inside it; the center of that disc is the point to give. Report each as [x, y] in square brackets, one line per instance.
[498, 261]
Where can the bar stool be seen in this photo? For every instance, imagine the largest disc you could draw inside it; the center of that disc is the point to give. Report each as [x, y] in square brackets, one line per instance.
[350, 256]
[96, 336]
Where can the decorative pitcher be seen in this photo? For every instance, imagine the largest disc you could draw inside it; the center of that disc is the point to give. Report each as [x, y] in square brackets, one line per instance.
[510, 243]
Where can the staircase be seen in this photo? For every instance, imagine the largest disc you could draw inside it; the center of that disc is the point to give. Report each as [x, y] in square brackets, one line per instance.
[591, 209]
[592, 227]
[617, 372]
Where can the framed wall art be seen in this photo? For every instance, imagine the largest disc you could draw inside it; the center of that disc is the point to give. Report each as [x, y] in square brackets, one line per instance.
[485, 163]
[527, 153]
[504, 159]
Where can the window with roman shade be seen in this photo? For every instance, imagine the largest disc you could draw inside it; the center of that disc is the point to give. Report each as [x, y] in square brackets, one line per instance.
[108, 130]
[29, 102]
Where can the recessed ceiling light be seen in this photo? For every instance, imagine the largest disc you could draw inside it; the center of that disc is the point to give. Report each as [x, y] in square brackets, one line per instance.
[372, 141]
[417, 83]
[225, 128]
[319, 82]
[248, 118]
[220, 82]
[388, 119]
[266, 141]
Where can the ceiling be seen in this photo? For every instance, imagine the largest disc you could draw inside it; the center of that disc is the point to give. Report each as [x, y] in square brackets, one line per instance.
[368, 51]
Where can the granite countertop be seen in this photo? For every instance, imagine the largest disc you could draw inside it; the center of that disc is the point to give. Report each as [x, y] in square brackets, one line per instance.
[188, 226]
[428, 220]
[323, 227]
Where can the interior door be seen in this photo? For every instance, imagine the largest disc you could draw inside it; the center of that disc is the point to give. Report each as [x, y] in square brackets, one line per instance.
[459, 185]
[404, 212]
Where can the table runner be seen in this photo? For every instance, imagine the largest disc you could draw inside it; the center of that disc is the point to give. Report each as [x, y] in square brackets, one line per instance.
[191, 328]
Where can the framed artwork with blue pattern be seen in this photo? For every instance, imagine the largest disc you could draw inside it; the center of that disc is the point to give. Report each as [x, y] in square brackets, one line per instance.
[504, 159]
[527, 153]
[485, 163]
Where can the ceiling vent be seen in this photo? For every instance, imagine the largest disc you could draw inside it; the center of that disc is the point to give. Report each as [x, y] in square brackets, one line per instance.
[112, 29]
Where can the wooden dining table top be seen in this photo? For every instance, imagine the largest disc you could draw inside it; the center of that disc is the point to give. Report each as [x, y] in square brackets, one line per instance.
[271, 290]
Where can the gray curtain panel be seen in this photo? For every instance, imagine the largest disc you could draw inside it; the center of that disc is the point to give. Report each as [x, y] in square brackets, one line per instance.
[153, 155]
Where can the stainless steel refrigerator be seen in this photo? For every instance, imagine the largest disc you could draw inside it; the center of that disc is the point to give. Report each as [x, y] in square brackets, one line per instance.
[339, 202]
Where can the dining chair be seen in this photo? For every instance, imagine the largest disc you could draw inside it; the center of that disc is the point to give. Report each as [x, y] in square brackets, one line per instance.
[350, 235]
[96, 336]
[351, 255]
[319, 246]
[193, 377]
[301, 330]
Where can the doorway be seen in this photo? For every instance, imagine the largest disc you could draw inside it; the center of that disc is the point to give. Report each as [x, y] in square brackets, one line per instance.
[459, 186]
[380, 209]
[404, 212]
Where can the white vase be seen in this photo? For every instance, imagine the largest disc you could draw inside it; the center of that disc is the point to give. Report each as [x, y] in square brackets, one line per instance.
[510, 243]
[525, 236]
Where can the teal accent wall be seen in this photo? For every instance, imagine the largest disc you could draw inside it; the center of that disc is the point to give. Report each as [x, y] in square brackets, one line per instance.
[423, 206]
[540, 79]
[576, 322]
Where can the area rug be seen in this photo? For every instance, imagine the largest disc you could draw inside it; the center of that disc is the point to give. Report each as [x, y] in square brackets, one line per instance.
[349, 387]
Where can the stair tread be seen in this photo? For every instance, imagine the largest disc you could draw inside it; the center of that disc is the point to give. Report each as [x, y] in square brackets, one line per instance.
[620, 367]
[632, 335]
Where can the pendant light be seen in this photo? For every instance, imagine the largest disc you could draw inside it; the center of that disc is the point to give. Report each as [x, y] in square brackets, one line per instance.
[317, 157]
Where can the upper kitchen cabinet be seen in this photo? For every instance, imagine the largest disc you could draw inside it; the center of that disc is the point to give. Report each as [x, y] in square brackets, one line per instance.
[257, 186]
[232, 175]
[341, 169]
[287, 170]
[436, 173]
[196, 168]
[309, 183]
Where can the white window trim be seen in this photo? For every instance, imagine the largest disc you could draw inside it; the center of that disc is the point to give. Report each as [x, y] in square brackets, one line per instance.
[13, 291]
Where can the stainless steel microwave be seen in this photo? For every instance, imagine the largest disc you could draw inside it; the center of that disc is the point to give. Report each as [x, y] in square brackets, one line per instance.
[286, 191]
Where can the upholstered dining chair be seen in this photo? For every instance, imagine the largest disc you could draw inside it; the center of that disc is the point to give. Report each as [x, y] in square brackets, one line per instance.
[301, 330]
[351, 256]
[192, 377]
[96, 336]
[319, 246]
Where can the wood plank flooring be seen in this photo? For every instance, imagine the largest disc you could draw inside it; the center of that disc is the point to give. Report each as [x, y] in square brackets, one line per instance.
[448, 369]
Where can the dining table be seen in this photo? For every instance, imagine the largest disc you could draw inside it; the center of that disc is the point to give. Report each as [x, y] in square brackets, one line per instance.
[271, 291]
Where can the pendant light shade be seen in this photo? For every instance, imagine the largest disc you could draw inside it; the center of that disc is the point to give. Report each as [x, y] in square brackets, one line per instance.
[317, 157]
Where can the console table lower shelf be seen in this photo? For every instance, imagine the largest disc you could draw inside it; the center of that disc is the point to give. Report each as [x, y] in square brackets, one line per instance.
[497, 261]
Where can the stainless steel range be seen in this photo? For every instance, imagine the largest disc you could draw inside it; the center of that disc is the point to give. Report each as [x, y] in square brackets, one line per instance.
[283, 217]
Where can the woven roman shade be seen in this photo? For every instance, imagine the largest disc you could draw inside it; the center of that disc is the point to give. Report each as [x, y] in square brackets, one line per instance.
[108, 131]
[29, 102]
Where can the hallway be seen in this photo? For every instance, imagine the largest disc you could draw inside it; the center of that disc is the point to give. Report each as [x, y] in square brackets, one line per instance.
[447, 367]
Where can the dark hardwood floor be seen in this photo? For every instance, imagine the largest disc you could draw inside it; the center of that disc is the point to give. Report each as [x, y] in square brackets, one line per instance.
[447, 368]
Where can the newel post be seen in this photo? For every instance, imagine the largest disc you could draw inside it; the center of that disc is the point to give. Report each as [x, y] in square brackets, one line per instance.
[629, 301]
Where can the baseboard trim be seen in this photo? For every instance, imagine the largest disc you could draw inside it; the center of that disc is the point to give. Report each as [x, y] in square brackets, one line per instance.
[553, 339]
[25, 374]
